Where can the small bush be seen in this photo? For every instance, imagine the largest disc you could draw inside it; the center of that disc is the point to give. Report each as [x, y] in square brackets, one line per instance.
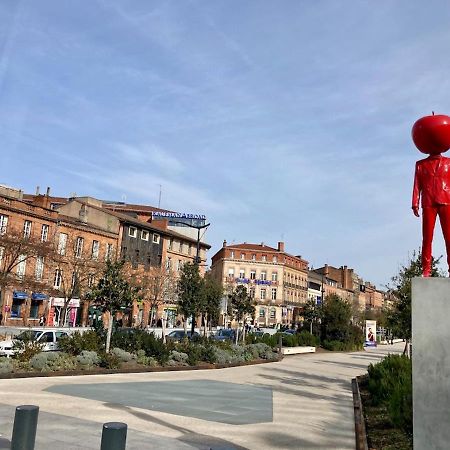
[6, 365]
[180, 357]
[88, 359]
[77, 342]
[141, 358]
[52, 361]
[109, 360]
[123, 355]
[390, 383]
[306, 339]
[26, 347]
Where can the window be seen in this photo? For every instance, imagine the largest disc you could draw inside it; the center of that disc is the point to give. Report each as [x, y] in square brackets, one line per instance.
[242, 255]
[231, 272]
[79, 247]
[190, 249]
[262, 312]
[262, 294]
[169, 263]
[181, 247]
[27, 228]
[251, 292]
[170, 244]
[39, 267]
[109, 251]
[95, 249]
[156, 238]
[274, 293]
[132, 232]
[91, 280]
[62, 243]
[273, 313]
[242, 273]
[253, 257]
[232, 254]
[2, 252]
[264, 258]
[179, 265]
[58, 279]
[263, 276]
[34, 309]
[274, 276]
[144, 235]
[21, 266]
[252, 275]
[275, 259]
[44, 233]
[3, 224]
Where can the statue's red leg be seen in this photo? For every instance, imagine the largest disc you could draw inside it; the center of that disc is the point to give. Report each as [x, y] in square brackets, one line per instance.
[444, 218]
[428, 221]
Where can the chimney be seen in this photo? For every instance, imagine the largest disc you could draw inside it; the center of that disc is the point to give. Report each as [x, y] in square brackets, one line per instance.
[48, 192]
[37, 190]
[224, 243]
[83, 214]
[262, 244]
[281, 246]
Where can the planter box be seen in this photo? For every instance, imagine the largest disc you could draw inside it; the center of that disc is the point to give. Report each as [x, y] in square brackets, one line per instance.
[297, 350]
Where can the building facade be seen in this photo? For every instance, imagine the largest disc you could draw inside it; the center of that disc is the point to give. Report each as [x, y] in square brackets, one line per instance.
[275, 279]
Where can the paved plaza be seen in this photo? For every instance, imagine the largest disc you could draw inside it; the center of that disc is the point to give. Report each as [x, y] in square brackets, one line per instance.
[302, 402]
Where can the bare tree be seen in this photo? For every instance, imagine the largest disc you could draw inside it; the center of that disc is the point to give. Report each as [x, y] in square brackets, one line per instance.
[18, 252]
[157, 287]
[75, 272]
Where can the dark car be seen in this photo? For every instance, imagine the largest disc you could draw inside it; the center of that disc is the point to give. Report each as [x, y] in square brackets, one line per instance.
[178, 335]
[225, 335]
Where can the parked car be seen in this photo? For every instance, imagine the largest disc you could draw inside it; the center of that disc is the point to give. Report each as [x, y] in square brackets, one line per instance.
[178, 335]
[225, 334]
[47, 337]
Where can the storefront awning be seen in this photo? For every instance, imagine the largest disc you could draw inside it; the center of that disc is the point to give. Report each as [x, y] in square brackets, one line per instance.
[38, 296]
[20, 295]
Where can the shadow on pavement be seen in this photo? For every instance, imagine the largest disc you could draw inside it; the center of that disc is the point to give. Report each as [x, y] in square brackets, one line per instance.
[200, 441]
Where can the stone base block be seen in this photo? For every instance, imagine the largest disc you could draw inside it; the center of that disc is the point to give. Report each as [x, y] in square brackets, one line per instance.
[431, 363]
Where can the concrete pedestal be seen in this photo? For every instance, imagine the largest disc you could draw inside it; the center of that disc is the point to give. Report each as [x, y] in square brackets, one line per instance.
[431, 363]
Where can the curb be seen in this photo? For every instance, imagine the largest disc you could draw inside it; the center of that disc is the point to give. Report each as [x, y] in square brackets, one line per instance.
[100, 371]
[360, 426]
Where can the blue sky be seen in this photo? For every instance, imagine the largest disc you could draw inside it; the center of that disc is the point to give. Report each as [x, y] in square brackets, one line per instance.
[279, 120]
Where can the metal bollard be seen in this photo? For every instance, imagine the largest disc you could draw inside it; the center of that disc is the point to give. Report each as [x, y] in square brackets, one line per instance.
[114, 436]
[24, 429]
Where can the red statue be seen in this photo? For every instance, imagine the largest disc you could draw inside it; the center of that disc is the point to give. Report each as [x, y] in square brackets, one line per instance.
[431, 134]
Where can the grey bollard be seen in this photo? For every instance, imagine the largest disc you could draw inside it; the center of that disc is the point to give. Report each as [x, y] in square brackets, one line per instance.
[114, 436]
[24, 429]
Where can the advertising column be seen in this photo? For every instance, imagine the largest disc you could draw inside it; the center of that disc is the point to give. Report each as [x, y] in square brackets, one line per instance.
[371, 333]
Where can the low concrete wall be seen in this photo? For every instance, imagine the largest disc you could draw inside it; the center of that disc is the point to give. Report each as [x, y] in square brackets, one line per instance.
[297, 350]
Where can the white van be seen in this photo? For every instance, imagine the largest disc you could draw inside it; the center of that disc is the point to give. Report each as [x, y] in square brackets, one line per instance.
[48, 337]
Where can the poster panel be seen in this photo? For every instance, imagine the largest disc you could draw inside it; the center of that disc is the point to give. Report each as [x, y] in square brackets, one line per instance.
[371, 333]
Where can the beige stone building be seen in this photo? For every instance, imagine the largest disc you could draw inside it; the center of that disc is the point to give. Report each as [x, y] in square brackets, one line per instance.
[276, 280]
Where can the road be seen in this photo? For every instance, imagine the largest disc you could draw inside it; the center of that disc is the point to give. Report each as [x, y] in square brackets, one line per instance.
[302, 402]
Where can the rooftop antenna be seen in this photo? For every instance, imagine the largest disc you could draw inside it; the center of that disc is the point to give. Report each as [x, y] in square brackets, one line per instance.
[160, 191]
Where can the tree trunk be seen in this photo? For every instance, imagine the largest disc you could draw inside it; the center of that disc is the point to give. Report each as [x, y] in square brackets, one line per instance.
[164, 326]
[237, 334]
[205, 321]
[108, 336]
[193, 325]
[310, 327]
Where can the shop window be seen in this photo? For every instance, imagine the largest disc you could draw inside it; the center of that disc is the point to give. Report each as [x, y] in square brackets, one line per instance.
[34, 309]
[17, 306]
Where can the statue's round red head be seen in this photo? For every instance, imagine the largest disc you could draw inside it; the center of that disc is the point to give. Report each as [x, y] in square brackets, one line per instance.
[431, 134]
